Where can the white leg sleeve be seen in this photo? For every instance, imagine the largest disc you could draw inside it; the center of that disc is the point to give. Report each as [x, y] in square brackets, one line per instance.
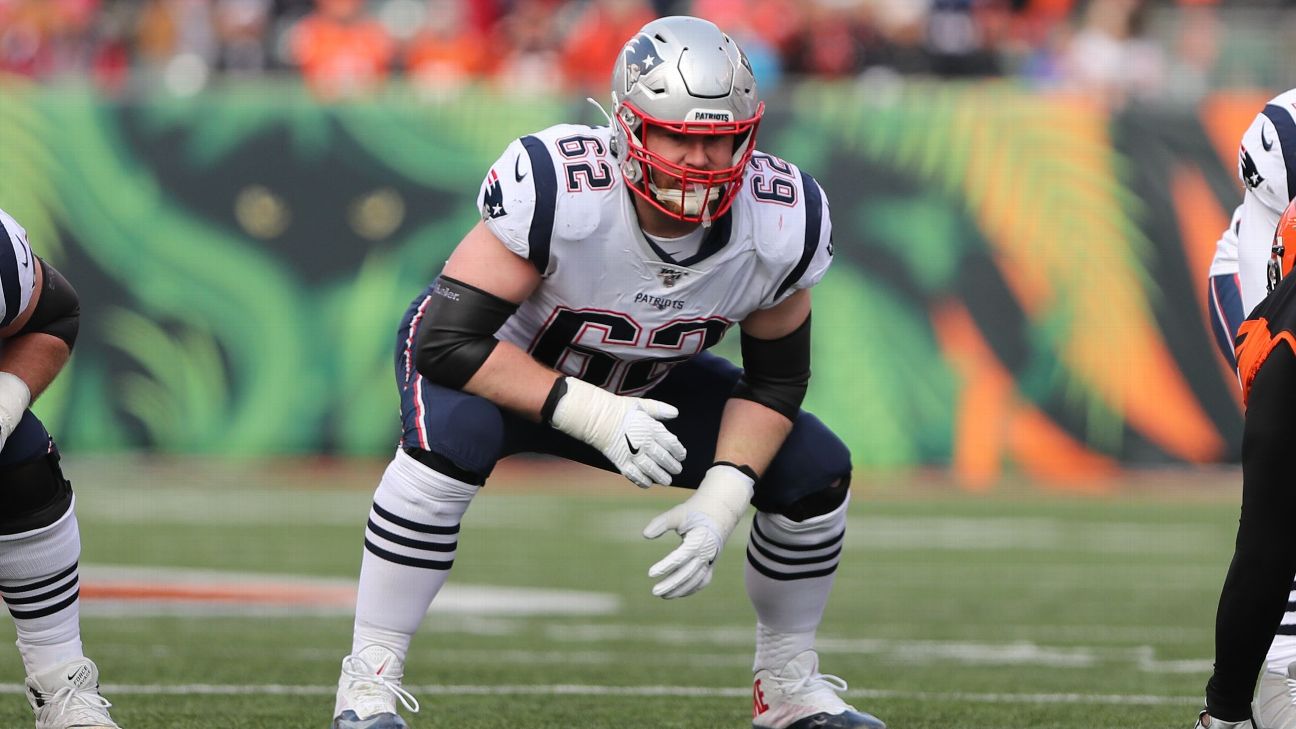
[410, 545]
[790, 570]
[41, 587]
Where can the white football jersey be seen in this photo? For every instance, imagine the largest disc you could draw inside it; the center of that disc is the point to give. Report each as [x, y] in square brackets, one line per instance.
[17, 270]
[1267, 167]
[612, 307]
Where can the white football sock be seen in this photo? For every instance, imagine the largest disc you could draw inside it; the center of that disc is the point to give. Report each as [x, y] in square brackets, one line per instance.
[1282, 653]
[410, 545]
[790, 570]
[40, 586]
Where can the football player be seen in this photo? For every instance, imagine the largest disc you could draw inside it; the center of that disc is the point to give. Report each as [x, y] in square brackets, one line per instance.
[39, 540]
[573, 320]
[1246, 267]
[1255, 591]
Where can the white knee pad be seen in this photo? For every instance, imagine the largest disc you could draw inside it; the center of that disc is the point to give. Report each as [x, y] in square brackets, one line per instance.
[40, 552]
[783, 549]
[415, 516]
[408, 485]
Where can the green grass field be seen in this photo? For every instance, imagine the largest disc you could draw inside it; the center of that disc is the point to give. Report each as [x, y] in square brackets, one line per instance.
[1019, 608]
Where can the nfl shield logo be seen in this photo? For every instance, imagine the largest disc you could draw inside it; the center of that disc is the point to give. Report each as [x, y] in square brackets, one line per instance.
[669, 276]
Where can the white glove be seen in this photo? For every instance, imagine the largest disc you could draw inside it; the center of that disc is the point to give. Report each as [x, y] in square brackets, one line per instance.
[626, 429]
[14, 399]
[705, 521]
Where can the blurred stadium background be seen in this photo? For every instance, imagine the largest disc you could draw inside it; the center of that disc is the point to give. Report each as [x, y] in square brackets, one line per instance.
[1013, 341]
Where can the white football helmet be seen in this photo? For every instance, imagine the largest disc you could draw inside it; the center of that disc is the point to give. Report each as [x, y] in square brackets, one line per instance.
[683, 75]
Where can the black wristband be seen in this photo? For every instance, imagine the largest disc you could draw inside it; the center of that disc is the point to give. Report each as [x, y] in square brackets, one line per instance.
[551, 403]
[746, 470]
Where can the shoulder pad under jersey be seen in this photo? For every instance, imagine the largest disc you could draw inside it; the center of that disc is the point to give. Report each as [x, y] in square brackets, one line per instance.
[542, 184]
[17, 269]
[1267, 154]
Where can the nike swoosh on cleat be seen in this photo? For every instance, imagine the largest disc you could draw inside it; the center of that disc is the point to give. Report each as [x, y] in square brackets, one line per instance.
[633, 451]
[520, 175]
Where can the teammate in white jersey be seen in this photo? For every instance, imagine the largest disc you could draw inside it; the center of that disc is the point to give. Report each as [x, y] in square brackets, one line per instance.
[573, 321]
[39, 541]
[1244, 270]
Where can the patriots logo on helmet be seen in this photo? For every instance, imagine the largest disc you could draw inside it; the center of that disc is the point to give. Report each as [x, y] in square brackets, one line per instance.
[1247, 169]
[640, 57]
[492, 203]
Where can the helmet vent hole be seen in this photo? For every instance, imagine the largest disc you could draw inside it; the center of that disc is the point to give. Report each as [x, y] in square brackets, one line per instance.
[660, 38]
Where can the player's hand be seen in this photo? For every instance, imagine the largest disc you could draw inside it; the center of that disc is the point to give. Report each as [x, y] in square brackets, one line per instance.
[14, 399]
[628, 430]
[705, 521]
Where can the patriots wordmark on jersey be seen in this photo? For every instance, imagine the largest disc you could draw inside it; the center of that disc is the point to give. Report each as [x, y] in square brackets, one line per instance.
[614, 308]
[17, 270]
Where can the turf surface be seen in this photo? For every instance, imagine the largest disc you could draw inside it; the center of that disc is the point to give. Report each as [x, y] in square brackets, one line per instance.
[1017, 608]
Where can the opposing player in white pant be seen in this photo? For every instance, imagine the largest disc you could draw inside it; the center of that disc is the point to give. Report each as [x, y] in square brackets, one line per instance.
[573, 321]
[1243, 272]
[39, 541]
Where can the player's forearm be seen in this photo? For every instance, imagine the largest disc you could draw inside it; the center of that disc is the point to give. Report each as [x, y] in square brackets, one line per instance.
[750, 434]
[512, 379]
[35, 358]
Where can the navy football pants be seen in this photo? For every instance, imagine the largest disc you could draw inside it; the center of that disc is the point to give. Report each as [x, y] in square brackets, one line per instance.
[474, 433]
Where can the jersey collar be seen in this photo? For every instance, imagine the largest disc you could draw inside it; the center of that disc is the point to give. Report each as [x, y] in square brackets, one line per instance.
[715, 239]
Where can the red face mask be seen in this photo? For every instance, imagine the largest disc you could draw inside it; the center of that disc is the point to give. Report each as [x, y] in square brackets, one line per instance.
[1283, 252]
[697, 196]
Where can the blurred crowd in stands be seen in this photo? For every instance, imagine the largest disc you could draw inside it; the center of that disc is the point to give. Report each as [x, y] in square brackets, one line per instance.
[1118, 49]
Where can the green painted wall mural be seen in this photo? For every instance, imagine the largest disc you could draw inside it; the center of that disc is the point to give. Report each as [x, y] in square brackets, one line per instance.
[1017, 282]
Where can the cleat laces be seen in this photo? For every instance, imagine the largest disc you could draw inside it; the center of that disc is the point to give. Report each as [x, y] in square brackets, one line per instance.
[817, 684]
[369, 688]
[78, 704]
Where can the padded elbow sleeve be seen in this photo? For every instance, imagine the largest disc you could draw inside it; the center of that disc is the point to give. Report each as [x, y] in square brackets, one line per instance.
[458, 331]
[776, 372]
[58, 311]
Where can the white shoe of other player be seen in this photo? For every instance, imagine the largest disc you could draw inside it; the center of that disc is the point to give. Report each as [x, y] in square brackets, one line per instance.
[1204, 721]
[368, 690]
[799, 697]
[67, 696]
[1275, 701]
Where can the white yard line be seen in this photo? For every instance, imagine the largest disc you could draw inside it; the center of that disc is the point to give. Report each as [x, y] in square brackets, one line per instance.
[626, 691]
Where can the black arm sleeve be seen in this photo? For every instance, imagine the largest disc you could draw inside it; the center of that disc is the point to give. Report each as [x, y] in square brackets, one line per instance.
[776, 372]
[457, 333]
[58, 311]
